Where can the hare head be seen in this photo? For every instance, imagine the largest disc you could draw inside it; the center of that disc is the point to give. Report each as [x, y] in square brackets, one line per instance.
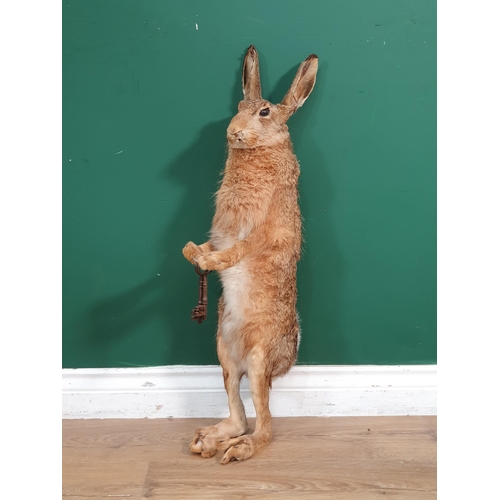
[259, 122]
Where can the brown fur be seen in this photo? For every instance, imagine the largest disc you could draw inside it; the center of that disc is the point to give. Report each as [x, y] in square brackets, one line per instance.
[255, 244]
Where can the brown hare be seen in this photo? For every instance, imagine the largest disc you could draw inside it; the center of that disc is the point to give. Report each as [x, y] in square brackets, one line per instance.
[254, 244]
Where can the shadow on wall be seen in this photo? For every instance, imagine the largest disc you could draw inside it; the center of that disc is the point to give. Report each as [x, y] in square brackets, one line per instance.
[171, 296]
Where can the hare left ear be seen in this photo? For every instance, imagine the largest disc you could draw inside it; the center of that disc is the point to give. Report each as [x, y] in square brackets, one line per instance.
[302, 84]
[251, 77]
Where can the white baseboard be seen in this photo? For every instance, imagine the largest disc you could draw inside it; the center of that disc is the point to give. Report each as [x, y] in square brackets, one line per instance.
[198, 391]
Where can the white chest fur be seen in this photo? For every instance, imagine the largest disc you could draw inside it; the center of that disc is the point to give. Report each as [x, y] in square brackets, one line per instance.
[235, 296]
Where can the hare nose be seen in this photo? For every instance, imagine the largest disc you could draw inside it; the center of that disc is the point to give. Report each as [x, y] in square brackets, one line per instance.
[235, 133]
[234, 130]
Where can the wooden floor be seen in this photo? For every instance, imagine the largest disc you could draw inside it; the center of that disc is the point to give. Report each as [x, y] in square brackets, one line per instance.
[353, 458]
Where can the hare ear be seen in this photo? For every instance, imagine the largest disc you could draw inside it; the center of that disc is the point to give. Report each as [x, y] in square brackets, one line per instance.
[251, 76]
[302, 84]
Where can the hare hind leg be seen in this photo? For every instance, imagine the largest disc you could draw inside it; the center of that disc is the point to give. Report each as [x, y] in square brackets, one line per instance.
[244, 447]
[207, 440]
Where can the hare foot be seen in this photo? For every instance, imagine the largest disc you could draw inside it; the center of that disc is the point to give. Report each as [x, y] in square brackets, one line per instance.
[204, 444]
[207, 440]
[242, 448]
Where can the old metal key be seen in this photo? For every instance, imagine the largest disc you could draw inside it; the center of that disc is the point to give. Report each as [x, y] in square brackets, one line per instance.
[200, 311]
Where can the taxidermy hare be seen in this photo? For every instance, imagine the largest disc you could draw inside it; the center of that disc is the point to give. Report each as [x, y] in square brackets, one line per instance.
[254, 244]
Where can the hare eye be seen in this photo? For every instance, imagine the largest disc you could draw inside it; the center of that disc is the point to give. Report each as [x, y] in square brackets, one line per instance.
[264, 112]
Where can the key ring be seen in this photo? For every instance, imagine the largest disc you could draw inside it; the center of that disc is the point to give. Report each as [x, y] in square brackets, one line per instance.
[200, 272]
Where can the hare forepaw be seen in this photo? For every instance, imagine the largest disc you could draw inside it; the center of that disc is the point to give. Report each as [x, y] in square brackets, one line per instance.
[191, 252]
[212, 261]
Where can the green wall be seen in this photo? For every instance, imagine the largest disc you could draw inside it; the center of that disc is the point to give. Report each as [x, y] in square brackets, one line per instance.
[146, 100]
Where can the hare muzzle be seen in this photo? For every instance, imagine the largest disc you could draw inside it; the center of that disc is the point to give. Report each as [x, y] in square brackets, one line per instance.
[240, 133]
[235, 135]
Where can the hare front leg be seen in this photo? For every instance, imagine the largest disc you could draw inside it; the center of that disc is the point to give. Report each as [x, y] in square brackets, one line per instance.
[191, 251]
[223, 259]
[244, 447]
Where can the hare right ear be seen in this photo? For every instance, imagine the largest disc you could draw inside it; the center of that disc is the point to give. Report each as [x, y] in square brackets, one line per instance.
[251, 77]
[302, 84]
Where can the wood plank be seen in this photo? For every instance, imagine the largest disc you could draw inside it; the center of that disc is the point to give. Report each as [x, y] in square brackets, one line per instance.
[349, 457]
[346, 479]
[103, 472]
